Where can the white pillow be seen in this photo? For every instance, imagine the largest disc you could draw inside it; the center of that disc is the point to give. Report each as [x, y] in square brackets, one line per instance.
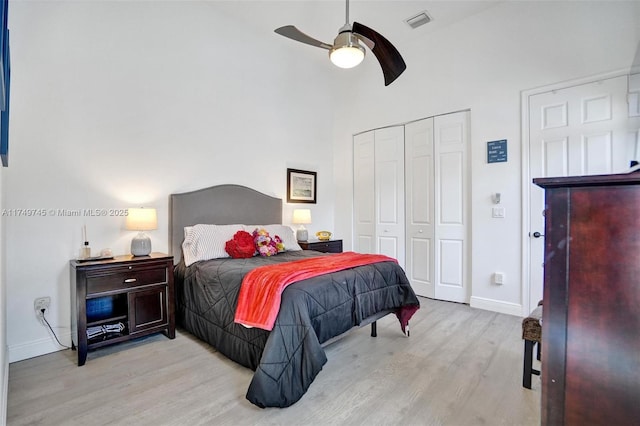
[204, 242]
[286, 234]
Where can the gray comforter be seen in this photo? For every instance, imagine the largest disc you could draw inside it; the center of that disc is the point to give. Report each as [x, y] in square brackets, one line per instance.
[287, 359]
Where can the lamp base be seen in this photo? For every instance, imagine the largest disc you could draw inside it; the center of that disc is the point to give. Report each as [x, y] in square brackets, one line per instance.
[141, 245]
[302, 235]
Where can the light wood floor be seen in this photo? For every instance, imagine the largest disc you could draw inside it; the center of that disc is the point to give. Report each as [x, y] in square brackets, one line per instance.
[461, 366]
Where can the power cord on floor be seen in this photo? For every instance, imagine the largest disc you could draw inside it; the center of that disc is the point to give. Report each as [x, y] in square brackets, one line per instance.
[53, 332]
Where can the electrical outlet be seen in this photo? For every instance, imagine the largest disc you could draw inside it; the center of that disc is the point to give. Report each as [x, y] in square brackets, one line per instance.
[41, 303]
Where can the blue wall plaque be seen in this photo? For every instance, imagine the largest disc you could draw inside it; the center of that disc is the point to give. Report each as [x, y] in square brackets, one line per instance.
[497, 151]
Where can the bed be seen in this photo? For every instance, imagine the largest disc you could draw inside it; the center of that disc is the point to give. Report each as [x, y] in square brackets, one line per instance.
[312, 312]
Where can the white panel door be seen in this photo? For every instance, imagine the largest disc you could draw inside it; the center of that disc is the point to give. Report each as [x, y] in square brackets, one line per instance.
[451, 135]
[580, 130]
[389, 192]
[420, 210]
[364, 193]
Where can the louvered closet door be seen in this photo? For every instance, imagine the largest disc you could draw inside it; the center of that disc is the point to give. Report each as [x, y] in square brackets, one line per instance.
[363, 193]
[420, 210]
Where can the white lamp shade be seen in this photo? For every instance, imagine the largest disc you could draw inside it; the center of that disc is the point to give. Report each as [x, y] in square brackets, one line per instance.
[141, 219]
[302, 216]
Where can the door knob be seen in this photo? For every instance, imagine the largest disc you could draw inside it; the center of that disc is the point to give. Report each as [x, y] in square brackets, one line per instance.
[537, 235]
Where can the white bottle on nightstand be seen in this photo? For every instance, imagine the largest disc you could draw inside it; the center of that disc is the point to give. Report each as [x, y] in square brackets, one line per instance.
[86, 250]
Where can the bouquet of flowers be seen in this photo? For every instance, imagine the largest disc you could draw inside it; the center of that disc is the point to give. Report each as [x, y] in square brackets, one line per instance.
[265, 244]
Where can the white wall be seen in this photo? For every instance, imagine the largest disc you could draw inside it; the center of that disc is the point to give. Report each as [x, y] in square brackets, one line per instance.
[119, 104]
[484, 63]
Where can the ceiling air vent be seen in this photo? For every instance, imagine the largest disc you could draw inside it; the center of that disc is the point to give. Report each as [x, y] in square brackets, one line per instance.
[418, 20]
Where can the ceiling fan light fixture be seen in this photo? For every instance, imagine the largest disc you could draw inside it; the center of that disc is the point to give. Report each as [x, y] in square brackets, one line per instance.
[346, 52]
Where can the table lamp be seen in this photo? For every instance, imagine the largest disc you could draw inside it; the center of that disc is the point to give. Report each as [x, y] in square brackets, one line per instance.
[141, 219]
[302, 217]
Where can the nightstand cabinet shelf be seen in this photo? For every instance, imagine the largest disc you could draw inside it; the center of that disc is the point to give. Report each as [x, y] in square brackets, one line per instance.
[330, 246]
[120, 299]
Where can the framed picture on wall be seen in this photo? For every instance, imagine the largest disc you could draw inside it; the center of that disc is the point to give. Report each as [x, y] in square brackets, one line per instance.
[301, 186]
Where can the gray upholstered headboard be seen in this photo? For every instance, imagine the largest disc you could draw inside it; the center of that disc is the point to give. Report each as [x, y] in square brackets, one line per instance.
[219, 205]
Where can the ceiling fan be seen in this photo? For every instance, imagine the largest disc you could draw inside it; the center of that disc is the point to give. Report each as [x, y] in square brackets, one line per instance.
[347, 52]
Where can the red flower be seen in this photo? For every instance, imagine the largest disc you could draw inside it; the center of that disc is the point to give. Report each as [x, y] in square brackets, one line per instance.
[241, 245]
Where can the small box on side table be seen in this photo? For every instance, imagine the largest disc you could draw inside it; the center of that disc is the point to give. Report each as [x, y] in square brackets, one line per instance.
[120, 299]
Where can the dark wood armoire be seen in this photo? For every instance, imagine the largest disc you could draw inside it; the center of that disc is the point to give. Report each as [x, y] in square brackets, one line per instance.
[591, 315]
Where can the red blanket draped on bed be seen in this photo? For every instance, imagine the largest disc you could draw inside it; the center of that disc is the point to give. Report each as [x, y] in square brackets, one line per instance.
[261, 290]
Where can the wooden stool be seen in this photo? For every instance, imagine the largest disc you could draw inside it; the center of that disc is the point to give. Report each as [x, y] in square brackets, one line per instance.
[532, 335]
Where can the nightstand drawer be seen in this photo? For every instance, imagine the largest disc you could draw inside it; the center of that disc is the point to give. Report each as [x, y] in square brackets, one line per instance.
[121, 278]
[328, 247]
[331, 246]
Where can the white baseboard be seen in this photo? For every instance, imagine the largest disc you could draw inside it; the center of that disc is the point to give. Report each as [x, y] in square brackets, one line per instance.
[38, 347]
[496, 306]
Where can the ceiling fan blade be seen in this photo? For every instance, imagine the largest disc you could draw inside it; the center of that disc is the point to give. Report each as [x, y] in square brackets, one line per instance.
[293, 33]
[390, 59]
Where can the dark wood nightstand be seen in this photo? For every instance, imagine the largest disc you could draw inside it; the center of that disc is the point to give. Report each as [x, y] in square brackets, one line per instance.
[120, 299]
[331, 246]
